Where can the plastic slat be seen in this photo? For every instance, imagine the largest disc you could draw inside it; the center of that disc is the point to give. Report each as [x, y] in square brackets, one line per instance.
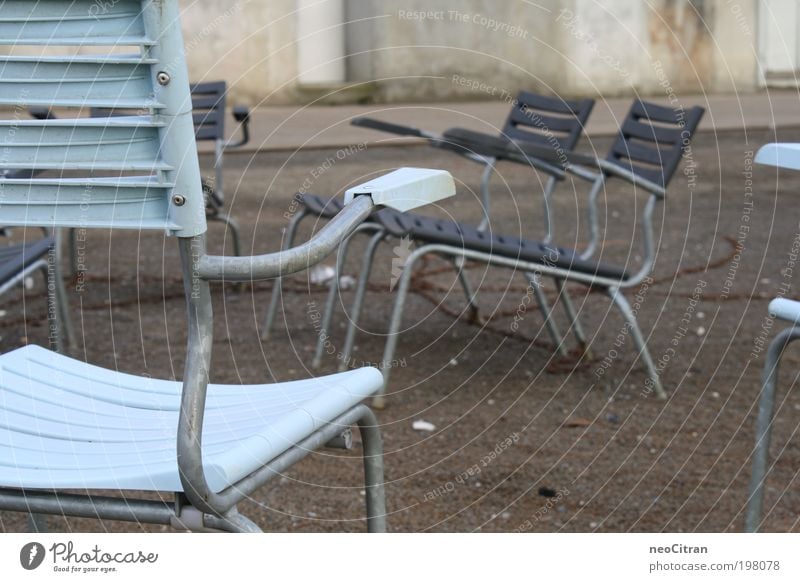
[67, 22]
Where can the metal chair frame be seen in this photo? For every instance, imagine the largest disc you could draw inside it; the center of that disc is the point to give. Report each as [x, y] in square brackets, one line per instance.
[596, 172]
[528, 111]
[172, 200]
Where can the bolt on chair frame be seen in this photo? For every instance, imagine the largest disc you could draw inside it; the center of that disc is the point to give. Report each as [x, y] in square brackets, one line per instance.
[164, 194]
[622, 163]
[532, 119]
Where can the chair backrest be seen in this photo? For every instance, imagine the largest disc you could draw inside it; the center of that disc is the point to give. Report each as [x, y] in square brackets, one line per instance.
[208, 106]
[139, 171]
[652, 140]
[547, 121]
[208, 102]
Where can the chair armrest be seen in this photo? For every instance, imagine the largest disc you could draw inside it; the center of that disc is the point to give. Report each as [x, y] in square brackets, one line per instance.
[403, 189]
[395, 128]
[583, 165]
[242, 116]
[474, 143]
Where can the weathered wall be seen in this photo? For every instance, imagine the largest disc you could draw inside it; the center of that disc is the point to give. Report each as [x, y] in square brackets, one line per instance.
[458, 49]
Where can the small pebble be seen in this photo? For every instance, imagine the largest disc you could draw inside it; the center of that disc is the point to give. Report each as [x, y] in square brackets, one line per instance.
[593, 524]
[491, 401]
[700, 331]
[454, 362]
[715, 394]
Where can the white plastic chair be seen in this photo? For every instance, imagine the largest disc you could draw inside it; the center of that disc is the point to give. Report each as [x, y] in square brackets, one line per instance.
[66, 424]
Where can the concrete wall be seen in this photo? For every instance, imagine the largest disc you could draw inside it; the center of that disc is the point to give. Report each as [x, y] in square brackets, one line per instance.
[422, 50]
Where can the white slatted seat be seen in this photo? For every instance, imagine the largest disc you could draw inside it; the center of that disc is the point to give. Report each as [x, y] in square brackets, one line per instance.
[65, 424]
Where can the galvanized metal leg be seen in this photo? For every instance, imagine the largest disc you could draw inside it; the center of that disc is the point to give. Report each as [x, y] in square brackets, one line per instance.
[233, 522]
[547, 313]
[62, 304]
[630, 318]
[574, 322]
[73, 250]
[277, 291]
[358, 302]
[394, 325]
[333, 290]
[233, 228]
[469, 293]
[486, 194]
[373, 471]
[766, 410]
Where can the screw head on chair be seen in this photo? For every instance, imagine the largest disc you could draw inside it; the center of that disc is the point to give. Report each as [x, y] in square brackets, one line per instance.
[163, 78]
[179, 200]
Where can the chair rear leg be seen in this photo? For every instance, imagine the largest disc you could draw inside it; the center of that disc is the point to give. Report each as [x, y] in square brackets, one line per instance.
[379, 401]
[373, 471]
[233, 228]
[333, 290]
[630, 318]
[72, 237]
[547, 313]
[277, 291]
[358, 302]
[469, 293]
[574, 322]
[766, 410]
[62, 306]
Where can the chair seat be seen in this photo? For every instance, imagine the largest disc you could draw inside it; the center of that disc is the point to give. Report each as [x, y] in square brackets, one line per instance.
[65, 424]
[319, 206]
[439, 231]
[15, 258]
[785, 309]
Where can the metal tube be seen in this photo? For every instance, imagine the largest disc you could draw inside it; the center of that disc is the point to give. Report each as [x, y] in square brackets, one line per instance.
[547, 313]
[373, 471]
[548, 218]
[358, 301]
[333, 290]
[232, 227]
[277, 291]
[591, 210]
[486, 177]
[93, 506]
[630, 318]
[766, 410]
[394, 324]
[271, 265]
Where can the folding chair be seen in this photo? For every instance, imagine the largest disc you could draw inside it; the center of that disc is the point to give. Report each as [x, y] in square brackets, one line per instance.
[535, 119]
[783, 155]
[69, 425]
[646, 153]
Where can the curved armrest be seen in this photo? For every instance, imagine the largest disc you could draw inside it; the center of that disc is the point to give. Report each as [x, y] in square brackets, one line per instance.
[469, 142]
[242, 116]
[300, 258]
[403, 189]
[395, 128]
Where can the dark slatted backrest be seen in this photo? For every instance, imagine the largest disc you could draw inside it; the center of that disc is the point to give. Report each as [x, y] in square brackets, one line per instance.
[547, 121]
[208, 105]
[652, 139]
[208, 110]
